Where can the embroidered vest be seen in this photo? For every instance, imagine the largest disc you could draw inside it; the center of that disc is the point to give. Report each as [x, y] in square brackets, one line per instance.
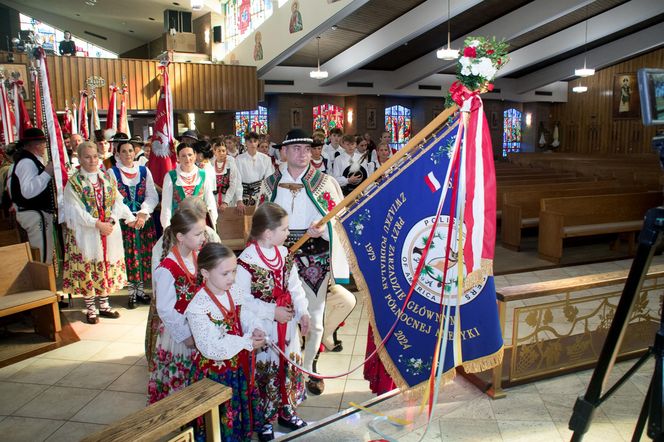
[133, 196]
[179, 193]
[184, 290]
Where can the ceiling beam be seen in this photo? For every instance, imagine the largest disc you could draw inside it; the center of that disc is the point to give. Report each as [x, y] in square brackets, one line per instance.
[620, 17]
[606, 55]
[508, 27]
[418, 20]
[305, 37]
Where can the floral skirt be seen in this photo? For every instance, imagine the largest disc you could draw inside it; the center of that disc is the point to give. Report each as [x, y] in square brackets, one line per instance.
[151, 332]
[89, 278]
[138, 251]
[268, 385]
[172, 367]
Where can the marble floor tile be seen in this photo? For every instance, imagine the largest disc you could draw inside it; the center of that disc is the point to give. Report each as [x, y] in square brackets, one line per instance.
[73, 431]
[44, 371]
[333, 363]
[469, 430]
[78, 351]
[134, 380]
[529, 431]
[106, 331]
[598, 432]
[314, 414]
[15, 395]
[10, 370]
[354, 362]
[136, 333]
[360, 345]
[22, 429]
[57, 403]
[109, 406]
[521, 407]
[477, 408]
[93, 375]
[356, 391]
[127, 353]
[568, 384]
[331, 397]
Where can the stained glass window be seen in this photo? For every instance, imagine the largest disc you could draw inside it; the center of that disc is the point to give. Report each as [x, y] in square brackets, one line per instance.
[398, 123]
[328, 116]
[251, 121]
[511, 131]
[241, 18]
[51, 37]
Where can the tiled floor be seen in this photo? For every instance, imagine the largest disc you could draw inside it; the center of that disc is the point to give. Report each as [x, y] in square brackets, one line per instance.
[73, 391]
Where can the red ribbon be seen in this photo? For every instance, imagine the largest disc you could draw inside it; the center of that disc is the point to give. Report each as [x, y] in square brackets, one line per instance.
[461, 93]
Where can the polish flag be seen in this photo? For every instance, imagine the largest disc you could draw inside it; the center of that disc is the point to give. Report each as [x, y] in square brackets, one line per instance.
[432, 182]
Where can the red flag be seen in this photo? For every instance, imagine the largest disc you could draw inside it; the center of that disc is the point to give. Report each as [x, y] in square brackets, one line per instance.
[83, 116]
[23, 118]
[162, 159]
[111, 115]
[56, 142]
[68, 119]
[39, 114]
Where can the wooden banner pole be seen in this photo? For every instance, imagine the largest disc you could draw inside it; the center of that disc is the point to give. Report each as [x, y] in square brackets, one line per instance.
[413, 143]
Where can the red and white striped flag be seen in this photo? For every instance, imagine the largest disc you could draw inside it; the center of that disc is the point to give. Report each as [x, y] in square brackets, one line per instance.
[111, 115]
[6, 115]
[162, 158]
[68, 119]
[39, 113]
[432, 182]
[23, 118]
[95, 124]
[56, 142]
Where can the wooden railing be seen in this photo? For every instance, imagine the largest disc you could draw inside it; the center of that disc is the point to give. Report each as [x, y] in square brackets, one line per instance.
[194, 86]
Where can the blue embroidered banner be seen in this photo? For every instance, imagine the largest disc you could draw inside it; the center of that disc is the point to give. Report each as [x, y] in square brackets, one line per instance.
[388, 229]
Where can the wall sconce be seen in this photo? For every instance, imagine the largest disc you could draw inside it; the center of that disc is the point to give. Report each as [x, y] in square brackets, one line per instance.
[529, 119]
[349, 116]
[206, 36]
[191, 121]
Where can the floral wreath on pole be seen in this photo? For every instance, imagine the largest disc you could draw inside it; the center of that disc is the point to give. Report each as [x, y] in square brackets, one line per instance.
[480, 60]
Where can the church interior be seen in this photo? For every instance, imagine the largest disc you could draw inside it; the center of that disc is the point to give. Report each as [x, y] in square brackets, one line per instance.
[576, 170]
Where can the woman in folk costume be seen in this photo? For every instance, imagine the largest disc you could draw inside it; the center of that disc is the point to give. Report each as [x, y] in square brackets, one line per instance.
[226, 329]
[94, 263]
[172, 366]
[269, 273]
[228, 183]
[137, 187]
[186, 180]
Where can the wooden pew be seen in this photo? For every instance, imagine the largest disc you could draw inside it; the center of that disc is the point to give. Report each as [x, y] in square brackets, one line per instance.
[161, 418]
[578, 216]
[520, 209]
[26, 285]
[234, 229]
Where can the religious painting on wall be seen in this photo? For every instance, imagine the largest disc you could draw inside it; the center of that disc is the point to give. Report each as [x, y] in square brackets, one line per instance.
[296, 117]
[13, 72]
[258, 47]
[371, 118]
[295, 24]
[626, 96]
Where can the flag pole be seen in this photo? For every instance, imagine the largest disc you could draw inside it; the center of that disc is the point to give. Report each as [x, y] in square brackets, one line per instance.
[412, 143]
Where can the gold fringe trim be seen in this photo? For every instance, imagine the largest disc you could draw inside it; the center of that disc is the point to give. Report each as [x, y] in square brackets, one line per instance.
[477, 277]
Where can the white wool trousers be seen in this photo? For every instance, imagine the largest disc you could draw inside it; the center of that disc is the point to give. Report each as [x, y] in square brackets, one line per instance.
[39, 226]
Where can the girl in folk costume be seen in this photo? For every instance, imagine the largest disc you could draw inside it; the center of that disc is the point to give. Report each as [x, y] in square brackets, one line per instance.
[269, 273]
[137, 187]
[172, 364]
[383, 153]
[225, 329]
[94, 264]
[159, 252]
[228, 186]
[186, 180]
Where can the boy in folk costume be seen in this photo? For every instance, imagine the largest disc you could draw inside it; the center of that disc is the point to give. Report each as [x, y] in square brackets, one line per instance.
[307, 195]
[186, 180]
[253, 167]
[347, 168]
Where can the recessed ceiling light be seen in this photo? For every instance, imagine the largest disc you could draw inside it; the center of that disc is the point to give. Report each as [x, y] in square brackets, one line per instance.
[176, 3]
[334, 27]
[78, 15]
[150, 18]
[131, 30]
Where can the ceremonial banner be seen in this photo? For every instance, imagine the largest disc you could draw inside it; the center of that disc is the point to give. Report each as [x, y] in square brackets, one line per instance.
[6, 115]
[37, 108]
[21, 112]
[111, 114]
[162, 158]
[389, 228]
[83, 116]
[123, 124]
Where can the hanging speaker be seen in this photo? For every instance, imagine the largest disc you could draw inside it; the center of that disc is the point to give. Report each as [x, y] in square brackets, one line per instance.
[216, 34]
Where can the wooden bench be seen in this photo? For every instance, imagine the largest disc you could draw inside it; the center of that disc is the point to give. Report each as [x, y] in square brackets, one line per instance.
[201, 398]
[26, 285]
[580, 216]
[520, 209]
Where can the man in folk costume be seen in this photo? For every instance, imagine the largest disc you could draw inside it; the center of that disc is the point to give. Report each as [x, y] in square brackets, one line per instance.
[253, 168]
[183, 181]
[307, 195]
[31, 191]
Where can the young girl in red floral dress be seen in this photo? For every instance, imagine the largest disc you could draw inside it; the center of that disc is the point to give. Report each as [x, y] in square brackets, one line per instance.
[224, 322]
[269, 273]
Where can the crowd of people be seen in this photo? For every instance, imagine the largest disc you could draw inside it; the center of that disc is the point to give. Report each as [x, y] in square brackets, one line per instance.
[256, 322]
